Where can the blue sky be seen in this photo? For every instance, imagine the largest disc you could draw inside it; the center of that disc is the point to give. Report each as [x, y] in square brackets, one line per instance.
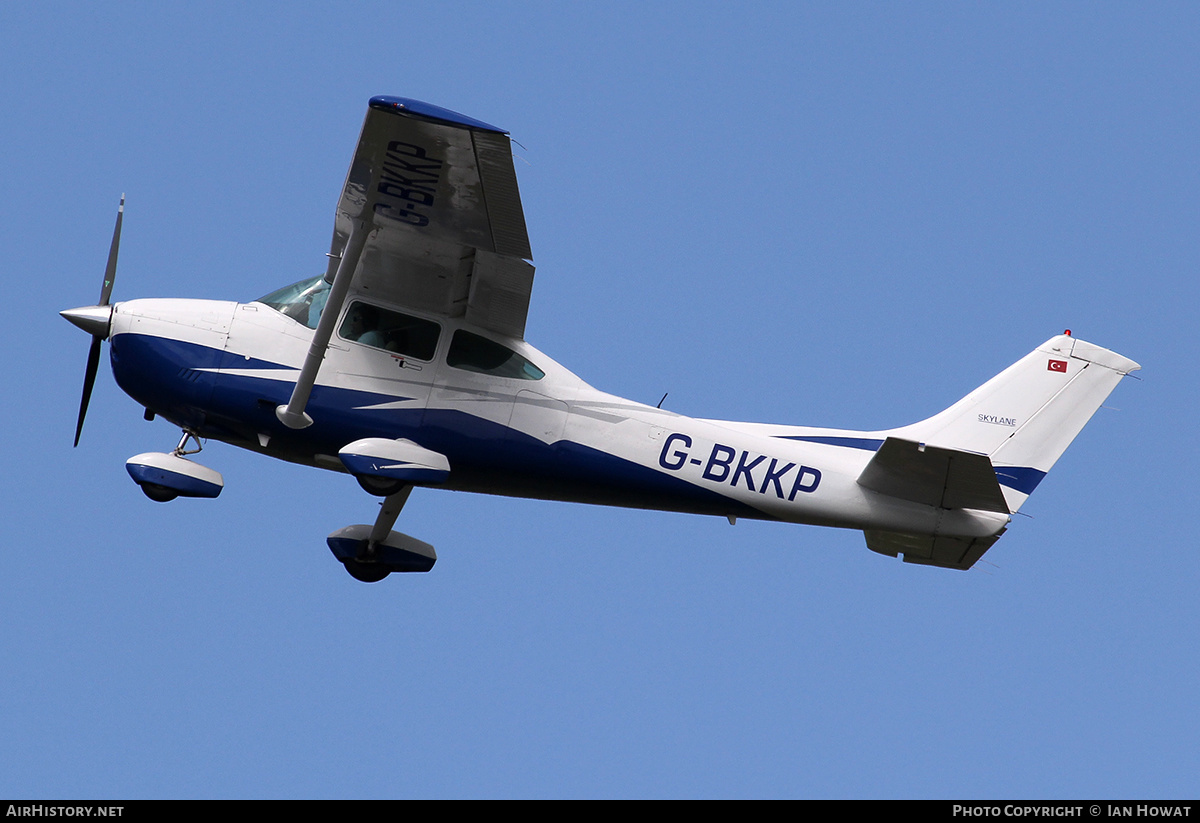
[826, 214]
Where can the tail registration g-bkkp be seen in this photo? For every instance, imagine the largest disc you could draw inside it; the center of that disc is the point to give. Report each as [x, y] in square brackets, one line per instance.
[405, 364]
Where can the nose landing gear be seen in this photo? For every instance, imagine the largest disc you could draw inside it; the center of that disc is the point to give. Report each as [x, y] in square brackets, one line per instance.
[163, 477]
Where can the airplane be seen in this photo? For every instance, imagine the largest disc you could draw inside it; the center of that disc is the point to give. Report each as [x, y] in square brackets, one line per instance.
[404, 364]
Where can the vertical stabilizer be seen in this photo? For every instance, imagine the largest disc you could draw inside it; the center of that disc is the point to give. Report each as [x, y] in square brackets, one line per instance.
[1024, 418]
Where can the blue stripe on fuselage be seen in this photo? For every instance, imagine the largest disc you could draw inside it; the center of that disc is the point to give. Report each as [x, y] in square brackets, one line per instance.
[170, 377]
[485, 456]
[866, 443]
[1021, 478]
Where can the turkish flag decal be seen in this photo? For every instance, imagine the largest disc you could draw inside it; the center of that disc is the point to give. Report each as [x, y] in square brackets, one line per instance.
[1058, 365]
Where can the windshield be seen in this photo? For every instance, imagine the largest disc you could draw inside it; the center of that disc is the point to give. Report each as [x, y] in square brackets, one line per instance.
[303, 301]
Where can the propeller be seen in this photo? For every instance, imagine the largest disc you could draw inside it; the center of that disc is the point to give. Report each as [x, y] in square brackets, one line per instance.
[97, 320]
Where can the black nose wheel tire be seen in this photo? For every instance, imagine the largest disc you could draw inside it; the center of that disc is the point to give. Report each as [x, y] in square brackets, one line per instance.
[366, 572]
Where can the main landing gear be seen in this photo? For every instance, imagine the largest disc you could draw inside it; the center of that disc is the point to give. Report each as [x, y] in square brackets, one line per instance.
[163, 477]
[371, 553]
[380, 486]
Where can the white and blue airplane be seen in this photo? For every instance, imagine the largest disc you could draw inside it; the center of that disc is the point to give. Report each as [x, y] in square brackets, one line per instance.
[404, 364]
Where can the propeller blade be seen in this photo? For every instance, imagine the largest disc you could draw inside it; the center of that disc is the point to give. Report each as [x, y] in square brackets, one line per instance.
[110, 271]
[92, 320]
[89, 380]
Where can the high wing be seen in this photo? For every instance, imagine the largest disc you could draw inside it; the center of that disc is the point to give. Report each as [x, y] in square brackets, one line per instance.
[429, 218]
[437, 195]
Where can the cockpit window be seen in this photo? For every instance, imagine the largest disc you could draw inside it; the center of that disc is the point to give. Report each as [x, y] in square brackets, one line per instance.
[390, 330]
[303, 301]
[471, 352]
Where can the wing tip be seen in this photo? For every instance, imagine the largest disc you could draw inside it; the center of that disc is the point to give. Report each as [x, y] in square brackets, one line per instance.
[428, 111]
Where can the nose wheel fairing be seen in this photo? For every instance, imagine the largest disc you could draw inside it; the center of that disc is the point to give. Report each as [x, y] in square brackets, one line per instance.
[166, 476]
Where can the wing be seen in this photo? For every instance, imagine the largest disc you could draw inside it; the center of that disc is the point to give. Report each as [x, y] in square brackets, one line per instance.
[437, 195]
[430, 218]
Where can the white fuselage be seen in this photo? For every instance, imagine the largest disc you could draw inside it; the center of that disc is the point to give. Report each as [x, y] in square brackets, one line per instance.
[220, 369]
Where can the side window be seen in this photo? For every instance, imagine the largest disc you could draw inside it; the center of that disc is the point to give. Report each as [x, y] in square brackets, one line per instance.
[471, 352]
[390, 331]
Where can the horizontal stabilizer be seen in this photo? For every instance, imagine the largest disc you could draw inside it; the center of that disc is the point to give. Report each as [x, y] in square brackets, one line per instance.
[947, 552]
[946, 478]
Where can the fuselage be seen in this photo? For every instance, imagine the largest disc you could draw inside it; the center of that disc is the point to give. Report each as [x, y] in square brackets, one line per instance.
[220, 369]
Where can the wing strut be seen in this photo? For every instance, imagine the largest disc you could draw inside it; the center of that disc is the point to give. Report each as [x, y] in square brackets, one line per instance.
[293, 415]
